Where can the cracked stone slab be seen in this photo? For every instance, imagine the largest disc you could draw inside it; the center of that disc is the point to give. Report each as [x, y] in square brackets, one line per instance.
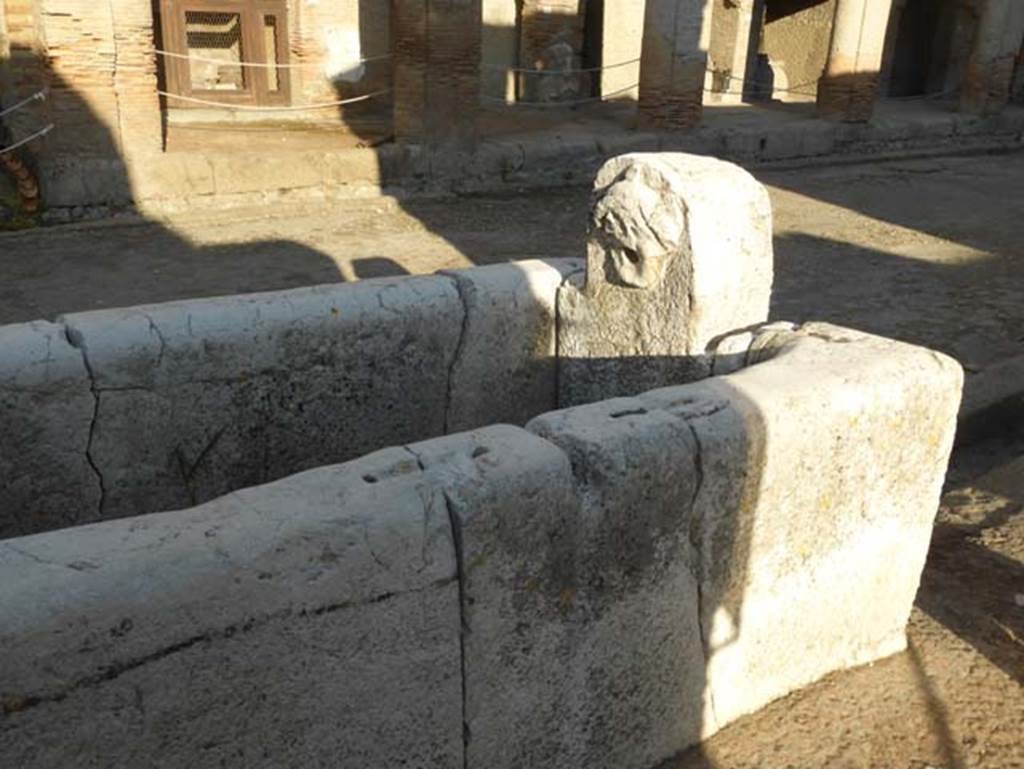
[198, 398]
[505, 368]
[679, 252]
[46, 414]
[292, 624]
[821, 469]
[581, 641]
[514, 514]
[636, 607]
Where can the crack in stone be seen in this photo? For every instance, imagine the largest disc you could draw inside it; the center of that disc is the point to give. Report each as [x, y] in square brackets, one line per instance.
[559, 293]
[459, 349]
[159, 335]
[694, 536]
[76, 340]
[188, 470]
[460, 576]
[13, 704]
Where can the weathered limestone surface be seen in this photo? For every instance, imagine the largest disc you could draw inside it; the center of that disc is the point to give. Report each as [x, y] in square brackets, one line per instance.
[636, 600]
[581, 642]
[46, 414]
[601, 589]
[198, 398]
[821, 469]
[505, 368]
[679, 252]
[310, 622]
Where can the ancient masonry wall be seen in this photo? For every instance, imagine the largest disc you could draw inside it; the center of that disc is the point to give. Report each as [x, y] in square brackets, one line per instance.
[796, 44]
[164, 406]
[121, 412]
[98, 68]
[603, 588]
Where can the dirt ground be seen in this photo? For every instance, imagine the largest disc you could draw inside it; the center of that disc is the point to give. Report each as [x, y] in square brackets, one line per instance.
[929, 251]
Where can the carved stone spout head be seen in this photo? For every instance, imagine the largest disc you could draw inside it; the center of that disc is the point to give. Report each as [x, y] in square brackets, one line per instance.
[636, 228]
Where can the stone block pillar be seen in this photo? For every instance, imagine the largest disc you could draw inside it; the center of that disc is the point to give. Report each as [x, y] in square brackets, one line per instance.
[997, 44]
[849, 86]
[673, 60]
[679, 252]
[436, 57]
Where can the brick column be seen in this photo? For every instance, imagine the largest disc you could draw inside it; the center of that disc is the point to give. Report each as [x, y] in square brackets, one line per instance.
[997, 43]
[436, 57]
[673, 60]
[849, 87]
[24, 70]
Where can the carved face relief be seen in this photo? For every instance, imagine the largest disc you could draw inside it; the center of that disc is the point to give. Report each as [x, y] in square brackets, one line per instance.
[639, 229]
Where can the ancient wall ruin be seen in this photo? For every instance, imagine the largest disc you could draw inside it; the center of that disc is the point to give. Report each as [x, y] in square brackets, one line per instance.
[794, 39]
[164, 406]
[448, 106]
[733, 510]
[603, 588]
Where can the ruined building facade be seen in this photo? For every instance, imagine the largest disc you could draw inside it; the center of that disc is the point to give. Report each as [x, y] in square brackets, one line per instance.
[149, 95]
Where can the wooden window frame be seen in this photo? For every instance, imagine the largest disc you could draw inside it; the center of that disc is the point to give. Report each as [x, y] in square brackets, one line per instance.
[251, 15]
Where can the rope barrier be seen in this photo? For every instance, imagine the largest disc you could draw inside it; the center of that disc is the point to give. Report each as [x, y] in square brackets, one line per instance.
[37, 96]
[26, 140]
[527, 71]
[265, 65]
[752, 82]
[556, 104]
[283, 108]
[759, 84]
[922, 96]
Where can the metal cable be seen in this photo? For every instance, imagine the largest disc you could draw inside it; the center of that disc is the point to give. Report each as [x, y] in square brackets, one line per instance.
[265, 65]
[37, 96]
[283, 108]
[527, 71]
[555, 104]
[26, 140]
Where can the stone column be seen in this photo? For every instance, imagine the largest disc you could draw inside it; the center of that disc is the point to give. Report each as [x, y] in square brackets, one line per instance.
[673, 60]
[849, 86]
[622, 30]
[729, 46]
[997, 43]
[436, 58]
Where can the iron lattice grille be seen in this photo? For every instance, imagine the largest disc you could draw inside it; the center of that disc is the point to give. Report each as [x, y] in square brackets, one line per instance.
[232, 51]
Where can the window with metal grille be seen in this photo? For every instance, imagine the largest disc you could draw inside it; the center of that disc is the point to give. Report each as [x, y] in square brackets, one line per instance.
[226, 51]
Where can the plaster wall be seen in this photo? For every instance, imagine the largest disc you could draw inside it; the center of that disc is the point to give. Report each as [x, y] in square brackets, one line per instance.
[796, 40]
